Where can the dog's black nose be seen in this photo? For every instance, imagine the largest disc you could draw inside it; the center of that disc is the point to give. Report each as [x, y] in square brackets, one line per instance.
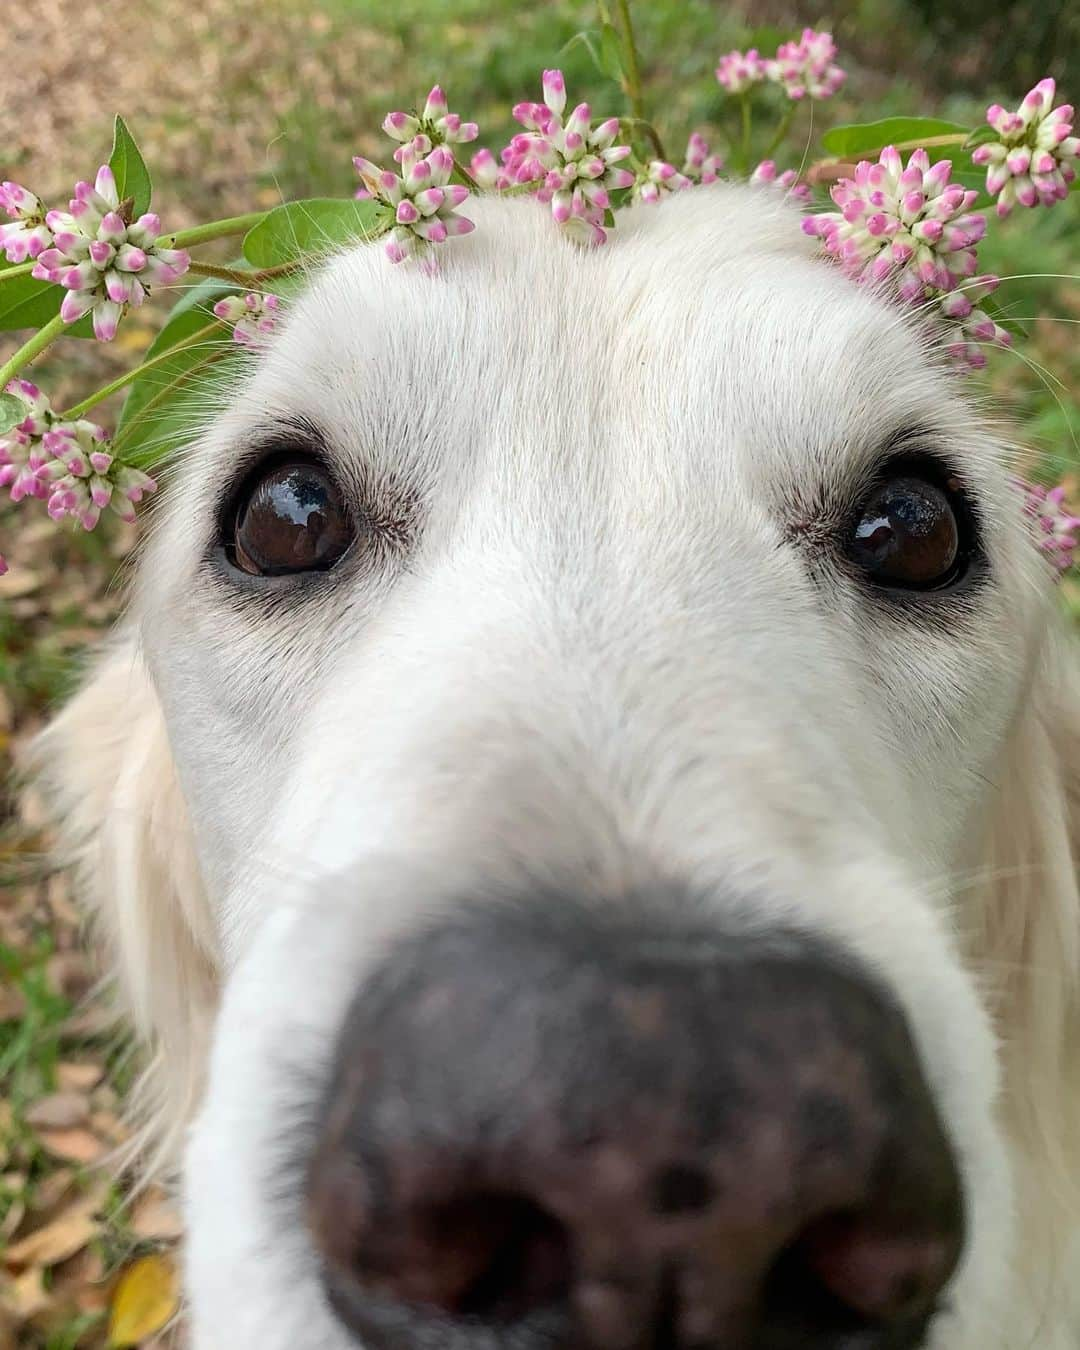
[549, 1129]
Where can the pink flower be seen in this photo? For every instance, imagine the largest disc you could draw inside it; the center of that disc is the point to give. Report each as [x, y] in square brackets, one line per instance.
[436, 122]
[422, 198]
[66, 463]
[968, 328]
[104, 261]
[908, 224]
[488, 172]
[737, 71]
[656, 179]
[701, 165]
[252, 316]
[575, 161]
[766, 174]
[806, 68]
[1031, 162]
[1057, 530]
[27, 235]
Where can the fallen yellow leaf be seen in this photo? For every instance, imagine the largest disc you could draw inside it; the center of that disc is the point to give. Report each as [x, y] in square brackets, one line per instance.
[146, 1298]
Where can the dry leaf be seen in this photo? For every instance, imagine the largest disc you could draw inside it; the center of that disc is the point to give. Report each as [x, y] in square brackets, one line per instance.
[55, 1242]
[12, 1219]
[25, 1296]
[155, 1218]
[58, 1111]
[76, 1146]
[146, 1298]
[73, 1076]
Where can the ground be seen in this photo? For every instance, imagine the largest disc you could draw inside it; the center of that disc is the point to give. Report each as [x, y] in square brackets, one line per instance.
[238, 103]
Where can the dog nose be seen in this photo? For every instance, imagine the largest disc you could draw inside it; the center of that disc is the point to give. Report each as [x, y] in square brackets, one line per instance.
[547, 1128]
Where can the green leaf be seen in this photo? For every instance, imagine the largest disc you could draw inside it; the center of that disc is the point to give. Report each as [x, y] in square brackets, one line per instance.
[129, 169]
[610, 60]
[767, 39]
[980, 136]
[166, 407]
[12, 412]
[858, 138]
[26, 303]
[314, 227]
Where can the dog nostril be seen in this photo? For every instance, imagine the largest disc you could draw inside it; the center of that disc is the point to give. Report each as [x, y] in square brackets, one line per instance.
[681, 1188]
[499, 1257]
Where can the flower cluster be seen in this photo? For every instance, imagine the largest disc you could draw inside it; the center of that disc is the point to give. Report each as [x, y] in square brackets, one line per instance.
[768, 175]
[701, 165]
[423, 200]
[103, 259]
[803, 69]
[252, 316]
[576, 162]
[1031, 161]
[1056, 528]
[26, 235]
[910, 226]
[66, 463]
[436, 123]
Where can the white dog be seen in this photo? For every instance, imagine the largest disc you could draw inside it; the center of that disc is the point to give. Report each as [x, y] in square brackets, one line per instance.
[584, 807]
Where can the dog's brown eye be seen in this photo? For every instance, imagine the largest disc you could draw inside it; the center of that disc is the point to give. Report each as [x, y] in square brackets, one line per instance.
[291, 517]
[908, 534]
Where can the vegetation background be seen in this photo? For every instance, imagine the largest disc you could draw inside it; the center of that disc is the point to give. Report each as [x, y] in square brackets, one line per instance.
[240, 103]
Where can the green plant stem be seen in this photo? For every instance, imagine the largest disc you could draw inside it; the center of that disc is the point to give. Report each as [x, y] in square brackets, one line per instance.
[632, 70]
[78, 409]
[781, 131]
[31, 349]
[633, 124]
[166, 392]
[215, 229]
[238, 277]
[744, 154]
[10, 273]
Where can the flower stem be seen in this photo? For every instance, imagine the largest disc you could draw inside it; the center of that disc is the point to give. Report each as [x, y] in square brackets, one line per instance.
[744, 104]
[29, 350]
[631, 70]
[78, 409]
[781, 131]
[238, 276]
[216, 229]
[10, 273]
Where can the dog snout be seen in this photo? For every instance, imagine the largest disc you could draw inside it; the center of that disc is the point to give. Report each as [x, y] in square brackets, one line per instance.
[552, 1127]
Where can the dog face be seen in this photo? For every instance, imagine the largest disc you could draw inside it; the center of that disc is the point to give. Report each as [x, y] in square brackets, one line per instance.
[577, 691]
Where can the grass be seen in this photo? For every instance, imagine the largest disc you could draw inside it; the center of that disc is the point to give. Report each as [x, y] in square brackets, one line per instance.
[244, 102]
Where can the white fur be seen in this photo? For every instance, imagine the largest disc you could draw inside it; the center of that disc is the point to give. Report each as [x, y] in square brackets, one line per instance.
[617, 648]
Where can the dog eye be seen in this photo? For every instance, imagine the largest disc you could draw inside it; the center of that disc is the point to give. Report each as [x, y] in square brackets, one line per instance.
[910, 533]
[289, 516]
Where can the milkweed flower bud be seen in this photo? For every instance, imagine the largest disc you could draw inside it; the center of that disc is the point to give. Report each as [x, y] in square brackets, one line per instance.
[1056, 528]
[1033, 161]
[701, 165]
[768, 175]
[252, 316]
[26, 235]
[737, 71]
[806, 68]
[441, 126]
[105, 261]
[423, 200]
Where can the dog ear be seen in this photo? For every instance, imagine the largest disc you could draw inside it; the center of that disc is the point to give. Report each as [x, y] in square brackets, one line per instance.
[122, 821]
[1023, 918]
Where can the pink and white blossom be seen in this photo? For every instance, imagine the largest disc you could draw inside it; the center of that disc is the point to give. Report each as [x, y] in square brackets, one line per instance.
[576, 162]
[656, 179]
[701, 164]
[806, 69]
[738, 71]
[26, 235]
[968, 328]
[1033, 161]
[423, 200]
[908, 224]
[22, 449]
[766, 174]
[252, 316]
[436, 122]
[1057, 529]
[104, 261]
